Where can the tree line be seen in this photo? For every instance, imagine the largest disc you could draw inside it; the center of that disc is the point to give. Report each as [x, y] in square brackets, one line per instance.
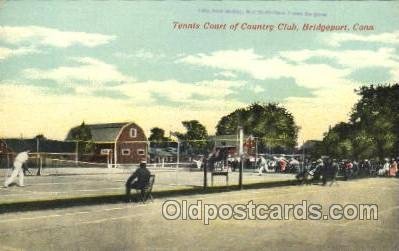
[272, 125]
[371, 132]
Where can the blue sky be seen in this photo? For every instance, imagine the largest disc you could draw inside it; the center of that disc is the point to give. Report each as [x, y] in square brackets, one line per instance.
[62, 62]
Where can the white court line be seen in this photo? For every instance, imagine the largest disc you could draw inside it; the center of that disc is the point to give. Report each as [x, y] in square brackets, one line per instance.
[111, 219]
[76, 213]
[22, 192]
[115, 208]
[8, 248]
[65, 192]
[32, 218]
[73, 213]
[60, 183]
[82, 190]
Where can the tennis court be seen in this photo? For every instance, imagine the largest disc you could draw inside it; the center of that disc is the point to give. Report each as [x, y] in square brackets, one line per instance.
[71, 182]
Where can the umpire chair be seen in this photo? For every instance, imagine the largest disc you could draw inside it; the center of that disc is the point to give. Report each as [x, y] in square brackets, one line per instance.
[145, 193]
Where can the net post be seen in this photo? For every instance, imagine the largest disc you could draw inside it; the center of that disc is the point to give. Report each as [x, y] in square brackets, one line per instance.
[77, 153]
[205, 176]
[37, 151]
[39, 170]
[8, 160]
[109, 159]
[178, 159]
[241, 152]
[115, 155]
[178, 153]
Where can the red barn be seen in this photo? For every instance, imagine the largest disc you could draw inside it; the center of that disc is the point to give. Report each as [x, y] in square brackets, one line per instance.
[123, 143]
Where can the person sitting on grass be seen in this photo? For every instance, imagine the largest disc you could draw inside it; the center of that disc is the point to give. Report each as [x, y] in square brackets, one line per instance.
[138, 180]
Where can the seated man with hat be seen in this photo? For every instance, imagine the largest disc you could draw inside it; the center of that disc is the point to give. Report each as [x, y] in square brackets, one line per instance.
[138, 180]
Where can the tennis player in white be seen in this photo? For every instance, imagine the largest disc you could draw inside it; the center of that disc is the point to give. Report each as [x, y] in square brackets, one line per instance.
[20, 159]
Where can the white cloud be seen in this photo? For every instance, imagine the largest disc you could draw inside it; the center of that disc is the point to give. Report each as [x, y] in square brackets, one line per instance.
[383, 57]
[352, 59]
[258, 89]
[215, 91]
[140, 54]
[51, 37]
[7, 52]
[148, 55]
[34, 107]
[89, 69]
[247, 61]
[226, 74]
[305, 74]
[336, 39]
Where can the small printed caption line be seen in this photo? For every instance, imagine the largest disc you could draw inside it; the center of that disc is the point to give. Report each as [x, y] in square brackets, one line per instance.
[262, 12]
[320, 27]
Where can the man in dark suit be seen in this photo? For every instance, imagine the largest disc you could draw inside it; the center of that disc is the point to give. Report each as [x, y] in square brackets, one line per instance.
[138, 180]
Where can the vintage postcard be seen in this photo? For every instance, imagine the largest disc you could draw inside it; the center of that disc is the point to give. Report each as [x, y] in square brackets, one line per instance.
[199, 125]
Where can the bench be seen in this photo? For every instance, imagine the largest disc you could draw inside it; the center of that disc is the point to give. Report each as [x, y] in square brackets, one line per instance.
[145, 193]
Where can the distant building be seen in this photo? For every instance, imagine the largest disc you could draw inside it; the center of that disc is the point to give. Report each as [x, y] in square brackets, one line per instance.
[232, 143]
[122, 143]
[225, 140]
[161, 155]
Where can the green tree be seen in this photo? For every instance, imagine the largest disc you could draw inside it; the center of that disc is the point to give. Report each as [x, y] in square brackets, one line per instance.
[363, 145]
[372, 130]
[83, 135]
[337, 141]
[40, 137]
[377, 115]
[273, 125]
[157, 138]
[195, 138]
